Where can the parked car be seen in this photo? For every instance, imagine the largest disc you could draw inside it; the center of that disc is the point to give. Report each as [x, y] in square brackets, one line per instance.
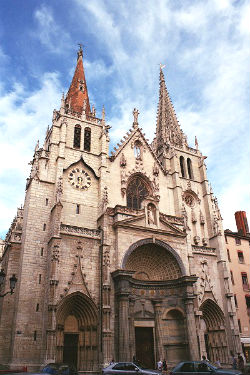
[59, 369]
[202, 368]
[128, 368]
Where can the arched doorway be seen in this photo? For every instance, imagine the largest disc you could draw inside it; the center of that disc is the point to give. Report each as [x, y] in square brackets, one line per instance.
[77, 336]
[213, 326]
[152, 279]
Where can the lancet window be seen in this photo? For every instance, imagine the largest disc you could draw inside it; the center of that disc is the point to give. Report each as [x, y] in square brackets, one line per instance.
[137, 190]
[77, 136]
[190, 169]
[182, 165]
[87, 139]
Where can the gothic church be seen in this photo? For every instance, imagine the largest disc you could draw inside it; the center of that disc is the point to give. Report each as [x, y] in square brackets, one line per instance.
[117, 255]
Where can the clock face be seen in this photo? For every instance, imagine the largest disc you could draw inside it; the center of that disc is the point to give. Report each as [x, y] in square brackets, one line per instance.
[79, 179]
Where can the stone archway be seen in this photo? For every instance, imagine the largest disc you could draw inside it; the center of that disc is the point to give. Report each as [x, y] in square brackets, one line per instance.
[163, 250]
[77, 332]
[152, 279]
[213, 327]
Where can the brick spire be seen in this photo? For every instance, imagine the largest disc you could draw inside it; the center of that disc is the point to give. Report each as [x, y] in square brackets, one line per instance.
[168, 130]
[77, 97]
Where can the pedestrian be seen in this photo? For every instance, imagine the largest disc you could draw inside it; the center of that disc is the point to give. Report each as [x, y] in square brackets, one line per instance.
[112, 361]
[240, 363]
[234, 361]
[159, 365]
[204, 359]
[217, 362]
[164, 365]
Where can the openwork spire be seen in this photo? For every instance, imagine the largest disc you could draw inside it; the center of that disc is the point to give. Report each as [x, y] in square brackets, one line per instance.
[77, 98]
[168, 130]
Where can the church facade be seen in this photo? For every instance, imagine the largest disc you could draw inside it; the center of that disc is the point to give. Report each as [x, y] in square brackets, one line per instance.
[117, 255]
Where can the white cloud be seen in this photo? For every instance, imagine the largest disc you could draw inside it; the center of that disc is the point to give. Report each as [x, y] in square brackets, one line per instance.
[21, 125]
[205, 46]
[206, 42]
[51, 35]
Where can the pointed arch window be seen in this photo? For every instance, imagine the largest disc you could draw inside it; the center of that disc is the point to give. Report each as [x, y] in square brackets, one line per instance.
[137, 190]
[87, 139]
[190, 169]
[182, 165]
[77, 136]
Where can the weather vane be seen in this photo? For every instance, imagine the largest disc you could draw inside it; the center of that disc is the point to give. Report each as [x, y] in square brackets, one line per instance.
[80, 46]
[162, 66]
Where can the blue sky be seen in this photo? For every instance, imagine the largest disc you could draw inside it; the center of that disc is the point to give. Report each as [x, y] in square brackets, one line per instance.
[204, 44]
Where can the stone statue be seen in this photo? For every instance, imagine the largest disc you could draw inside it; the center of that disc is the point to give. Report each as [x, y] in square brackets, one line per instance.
[151, 216]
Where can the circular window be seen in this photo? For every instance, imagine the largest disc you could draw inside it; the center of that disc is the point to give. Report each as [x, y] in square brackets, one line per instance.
[189, 200]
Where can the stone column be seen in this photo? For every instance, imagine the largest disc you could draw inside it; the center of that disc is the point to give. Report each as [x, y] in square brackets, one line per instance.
[191, 329]
[158, 330]
[122, 280]
[131, 328]
[123, 328]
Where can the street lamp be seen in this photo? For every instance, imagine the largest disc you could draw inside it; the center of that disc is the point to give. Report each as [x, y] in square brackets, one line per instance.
[13, 281]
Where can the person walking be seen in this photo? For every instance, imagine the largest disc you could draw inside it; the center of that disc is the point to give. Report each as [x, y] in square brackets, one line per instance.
[240, 363]
[159, 365]
[164, 365]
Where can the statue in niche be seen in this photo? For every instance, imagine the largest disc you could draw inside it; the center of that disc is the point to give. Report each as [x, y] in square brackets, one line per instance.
[151, 214]
[137, 150]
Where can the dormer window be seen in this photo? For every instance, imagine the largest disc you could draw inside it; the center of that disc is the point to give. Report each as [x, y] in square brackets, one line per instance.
[77, 136]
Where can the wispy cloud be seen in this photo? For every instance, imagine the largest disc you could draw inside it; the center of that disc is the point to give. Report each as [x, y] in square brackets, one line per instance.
[205, 46]
[49, 32]
[24, 117]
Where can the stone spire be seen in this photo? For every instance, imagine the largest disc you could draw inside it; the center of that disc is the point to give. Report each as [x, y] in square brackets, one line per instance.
[77, 97]
[168, 131]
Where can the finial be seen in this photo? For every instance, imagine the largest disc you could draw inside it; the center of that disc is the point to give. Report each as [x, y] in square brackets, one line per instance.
[62, 101]
[135, 114]
[103, 113]
[162, 66]
[196, 143]
[80, 52]
[37, 146]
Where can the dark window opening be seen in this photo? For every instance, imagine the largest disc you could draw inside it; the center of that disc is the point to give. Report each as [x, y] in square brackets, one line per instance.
[77, 136]
[37, 307]
[190, 169]
[240, 257]
[77, 208]
[247, 301]
[136, 192]
[46, 201]
[232, 277]
[44, 227]
[239, 324]
[41, 252]
[35, 335]
[182, 165]
[237, 241]
[87, 139]
[244, 278]
[40, 279]
[235, 301]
